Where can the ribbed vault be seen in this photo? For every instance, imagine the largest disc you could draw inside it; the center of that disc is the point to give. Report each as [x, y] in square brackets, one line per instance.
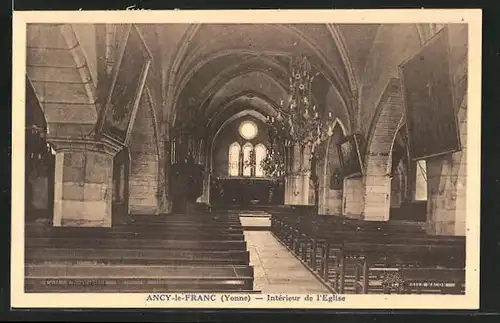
[223, 64]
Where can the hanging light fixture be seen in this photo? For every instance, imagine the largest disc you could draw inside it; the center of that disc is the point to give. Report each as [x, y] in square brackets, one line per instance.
[298, 122]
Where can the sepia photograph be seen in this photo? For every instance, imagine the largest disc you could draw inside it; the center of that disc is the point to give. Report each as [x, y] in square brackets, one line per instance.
[261, 159]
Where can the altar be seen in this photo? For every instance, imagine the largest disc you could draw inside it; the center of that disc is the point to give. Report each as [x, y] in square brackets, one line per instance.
[246, 192]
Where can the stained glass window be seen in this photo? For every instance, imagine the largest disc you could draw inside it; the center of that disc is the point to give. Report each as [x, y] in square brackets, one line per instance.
[260, 154]
[247, 159]
[234, 159]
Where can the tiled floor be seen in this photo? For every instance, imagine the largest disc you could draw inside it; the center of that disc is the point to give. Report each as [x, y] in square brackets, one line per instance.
[276, 270]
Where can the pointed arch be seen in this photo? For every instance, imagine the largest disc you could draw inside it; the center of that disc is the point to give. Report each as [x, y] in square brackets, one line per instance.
[337, 125]
[330, 194]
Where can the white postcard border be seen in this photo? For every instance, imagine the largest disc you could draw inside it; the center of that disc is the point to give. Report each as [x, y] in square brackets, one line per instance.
[472, 17]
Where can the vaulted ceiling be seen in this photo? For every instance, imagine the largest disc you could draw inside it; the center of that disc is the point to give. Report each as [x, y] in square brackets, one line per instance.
[229, 68]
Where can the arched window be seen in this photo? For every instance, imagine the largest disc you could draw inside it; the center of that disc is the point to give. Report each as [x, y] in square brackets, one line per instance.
[247, 159]
[260, 154]
[421, 181]
[234, 159]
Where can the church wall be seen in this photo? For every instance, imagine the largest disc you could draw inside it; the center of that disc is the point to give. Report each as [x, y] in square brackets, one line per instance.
[446, 174]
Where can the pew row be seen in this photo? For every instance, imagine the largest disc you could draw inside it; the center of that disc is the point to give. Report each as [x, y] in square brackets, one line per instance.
[120, 278]
[167, 253]
[353, 256]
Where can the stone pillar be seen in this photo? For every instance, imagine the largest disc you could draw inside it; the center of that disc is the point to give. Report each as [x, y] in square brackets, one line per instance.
[294, 190]
[353, 197]
[446, 179]
[83, 183]
[323, 189]
[333, 202]
[297, 186]
[446, 186]
[307, 195]
[377, 197]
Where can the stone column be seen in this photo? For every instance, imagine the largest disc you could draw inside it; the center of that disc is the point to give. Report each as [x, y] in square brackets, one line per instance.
[446, 186]
[446, 179]
[353, 197]
[83, 183]
[297, 186]
[333, 202]
[377, 197]
[307, 195]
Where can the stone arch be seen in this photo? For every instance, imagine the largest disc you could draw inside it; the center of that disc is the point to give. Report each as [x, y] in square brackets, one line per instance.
[330, 201]
[144, 175]
[206, 48]
[57, 67]
[253, 63]
[382, 65]
[266, 85]
[377, 159]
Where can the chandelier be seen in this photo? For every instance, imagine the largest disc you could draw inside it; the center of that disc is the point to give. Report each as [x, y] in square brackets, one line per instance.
[298, 121]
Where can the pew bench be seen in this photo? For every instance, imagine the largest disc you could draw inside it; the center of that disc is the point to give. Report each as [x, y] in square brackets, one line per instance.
[135, 256]
[130, 278]
[113, 243]
[110, 233]
[347, 253]
[358, 261]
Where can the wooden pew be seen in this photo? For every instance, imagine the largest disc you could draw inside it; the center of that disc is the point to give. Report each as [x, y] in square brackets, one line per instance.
[113, 243]
[123, 279]
[198, 253]
[135, 256]
[367, 259]
[336, 249]
[100, 233]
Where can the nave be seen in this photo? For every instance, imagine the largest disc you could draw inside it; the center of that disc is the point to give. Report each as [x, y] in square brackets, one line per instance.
[152, 148]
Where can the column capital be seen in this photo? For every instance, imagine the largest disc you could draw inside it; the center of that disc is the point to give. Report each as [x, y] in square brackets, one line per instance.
[103, 144]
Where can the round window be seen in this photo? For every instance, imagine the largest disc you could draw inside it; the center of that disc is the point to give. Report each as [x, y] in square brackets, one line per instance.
[248, 130]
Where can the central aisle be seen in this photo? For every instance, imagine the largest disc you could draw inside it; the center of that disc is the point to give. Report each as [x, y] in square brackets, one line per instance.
[276, 270]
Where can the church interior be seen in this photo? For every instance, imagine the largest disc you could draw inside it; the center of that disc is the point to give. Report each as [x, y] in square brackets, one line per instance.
[272, 158]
